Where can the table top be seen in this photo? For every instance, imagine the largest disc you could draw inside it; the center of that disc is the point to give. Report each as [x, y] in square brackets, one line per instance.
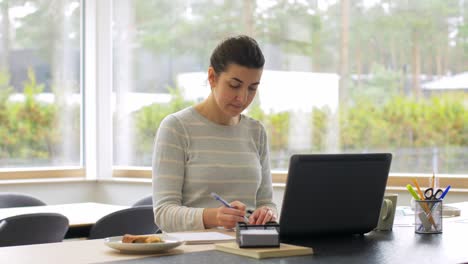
[81, 251]
[78, 214]
[402, 245]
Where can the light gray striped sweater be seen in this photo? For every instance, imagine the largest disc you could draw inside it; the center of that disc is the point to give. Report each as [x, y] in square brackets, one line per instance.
[193, 157]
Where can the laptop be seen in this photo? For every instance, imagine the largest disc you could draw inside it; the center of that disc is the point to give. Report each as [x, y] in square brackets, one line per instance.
[333, 194]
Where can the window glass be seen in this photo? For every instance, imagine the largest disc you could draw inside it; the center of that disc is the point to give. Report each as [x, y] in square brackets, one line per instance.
[40, 95]
[340, 76]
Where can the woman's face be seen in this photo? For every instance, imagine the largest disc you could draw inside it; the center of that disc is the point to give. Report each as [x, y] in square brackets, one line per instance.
[234, 89]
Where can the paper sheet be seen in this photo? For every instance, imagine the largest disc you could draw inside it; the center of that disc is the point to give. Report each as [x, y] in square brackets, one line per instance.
[202, 237]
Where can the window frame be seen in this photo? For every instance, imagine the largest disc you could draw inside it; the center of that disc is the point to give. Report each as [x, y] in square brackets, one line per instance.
[42, 173]
[96, 115]
[53, 172]
[96, 112]
[459, 182]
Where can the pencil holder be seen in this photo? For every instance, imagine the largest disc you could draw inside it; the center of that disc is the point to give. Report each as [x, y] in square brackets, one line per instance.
[428, 217]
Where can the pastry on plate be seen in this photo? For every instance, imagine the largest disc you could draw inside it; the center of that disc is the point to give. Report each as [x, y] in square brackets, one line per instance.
[127, 238]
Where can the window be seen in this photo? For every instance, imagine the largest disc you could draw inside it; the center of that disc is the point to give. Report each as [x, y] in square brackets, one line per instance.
[340, 76]
[40, 84]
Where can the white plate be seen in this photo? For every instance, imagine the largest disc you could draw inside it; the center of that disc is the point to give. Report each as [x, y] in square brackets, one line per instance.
[169, 243]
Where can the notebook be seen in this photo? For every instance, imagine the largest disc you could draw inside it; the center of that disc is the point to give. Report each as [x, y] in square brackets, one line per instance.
[333, 194]
[195, 238]
[284, 250]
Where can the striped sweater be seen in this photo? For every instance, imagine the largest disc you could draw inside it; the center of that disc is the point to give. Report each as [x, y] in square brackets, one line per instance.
[193, 157]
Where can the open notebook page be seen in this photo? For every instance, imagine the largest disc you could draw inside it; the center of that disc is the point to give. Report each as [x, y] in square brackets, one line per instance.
[202, 237]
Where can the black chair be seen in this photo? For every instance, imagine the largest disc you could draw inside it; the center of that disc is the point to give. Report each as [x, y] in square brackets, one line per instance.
[18, 200]
[135, 220]
[147, 200]
[32, 229]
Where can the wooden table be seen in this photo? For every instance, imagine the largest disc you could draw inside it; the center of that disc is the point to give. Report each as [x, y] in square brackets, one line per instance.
[401, 245]
[81, 216]
[82, 251]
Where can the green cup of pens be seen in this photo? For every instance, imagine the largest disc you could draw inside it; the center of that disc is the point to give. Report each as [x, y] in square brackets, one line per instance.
[428, 208]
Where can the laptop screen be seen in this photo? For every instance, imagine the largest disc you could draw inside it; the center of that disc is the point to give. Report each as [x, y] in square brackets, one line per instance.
[333, 194]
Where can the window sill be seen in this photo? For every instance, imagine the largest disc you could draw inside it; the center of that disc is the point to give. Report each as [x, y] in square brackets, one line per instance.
[41, 173]
[44, 181]
[396, 181]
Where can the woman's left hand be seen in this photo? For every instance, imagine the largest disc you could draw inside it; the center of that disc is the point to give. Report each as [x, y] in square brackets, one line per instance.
[261, 216]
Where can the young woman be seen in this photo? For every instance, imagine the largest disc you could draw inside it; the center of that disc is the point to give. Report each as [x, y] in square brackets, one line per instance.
[212, 147]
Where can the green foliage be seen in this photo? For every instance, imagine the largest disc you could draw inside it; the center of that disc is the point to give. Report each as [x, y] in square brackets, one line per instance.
[406, 123]
[5, 92]
[463, 39]
[320, 119]
[286, 16]
[361, 126]
[148, 119]
[27, 130]
[382, 37]
[256, 112]
[43, 29]
[383, 85]
[276, 125]
[399, 123]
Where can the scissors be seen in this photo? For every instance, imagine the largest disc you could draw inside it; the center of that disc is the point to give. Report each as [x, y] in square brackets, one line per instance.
[429, 194]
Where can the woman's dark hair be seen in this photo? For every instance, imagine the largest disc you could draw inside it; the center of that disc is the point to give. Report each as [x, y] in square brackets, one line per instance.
[242, 50]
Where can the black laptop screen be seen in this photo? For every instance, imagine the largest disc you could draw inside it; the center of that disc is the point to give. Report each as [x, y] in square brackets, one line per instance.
[333, 194]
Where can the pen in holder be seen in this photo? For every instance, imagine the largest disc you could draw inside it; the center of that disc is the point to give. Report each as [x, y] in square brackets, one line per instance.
[428, 216]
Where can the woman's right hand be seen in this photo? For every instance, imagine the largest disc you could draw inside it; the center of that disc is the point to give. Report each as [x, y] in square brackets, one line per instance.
[224, 216]
[228, 217]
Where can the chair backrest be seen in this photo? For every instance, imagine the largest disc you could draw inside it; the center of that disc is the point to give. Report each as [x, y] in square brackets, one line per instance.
[32, 229]
[18, 200]
[147, 200]
[135, 220]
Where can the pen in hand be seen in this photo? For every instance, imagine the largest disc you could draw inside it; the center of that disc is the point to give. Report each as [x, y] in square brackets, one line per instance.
[221, 200]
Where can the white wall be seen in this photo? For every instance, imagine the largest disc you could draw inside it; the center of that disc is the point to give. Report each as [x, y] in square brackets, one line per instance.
[55, 192]
[127, 192]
